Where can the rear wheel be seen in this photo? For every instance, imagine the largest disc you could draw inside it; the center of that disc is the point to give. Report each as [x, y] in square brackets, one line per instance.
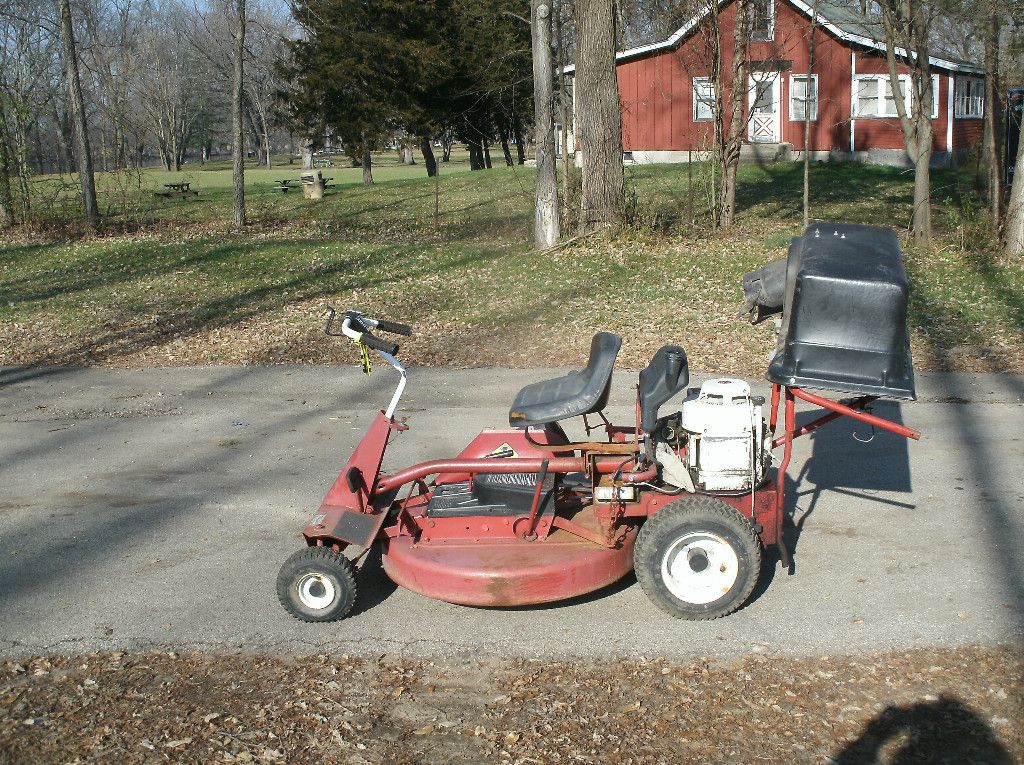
[317, 585]
[697, 558]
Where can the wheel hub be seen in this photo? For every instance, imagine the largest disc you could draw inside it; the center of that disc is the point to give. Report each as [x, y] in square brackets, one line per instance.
[316, 591]
[700, 567]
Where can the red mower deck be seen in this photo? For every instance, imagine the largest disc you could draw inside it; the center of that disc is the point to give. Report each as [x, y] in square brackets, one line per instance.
[507, 572]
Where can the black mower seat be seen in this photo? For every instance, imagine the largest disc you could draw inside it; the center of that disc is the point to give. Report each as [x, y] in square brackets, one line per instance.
[570, 396]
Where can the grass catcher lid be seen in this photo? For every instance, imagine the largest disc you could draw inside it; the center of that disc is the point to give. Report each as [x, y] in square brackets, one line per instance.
[844, 321]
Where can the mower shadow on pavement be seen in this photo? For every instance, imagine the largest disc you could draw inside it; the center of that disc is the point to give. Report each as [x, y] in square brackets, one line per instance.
[847, 460]
[374, 585]
[944, 730]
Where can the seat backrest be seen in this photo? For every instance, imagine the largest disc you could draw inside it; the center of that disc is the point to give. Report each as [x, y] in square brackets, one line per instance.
[604, 349]
[666, 375]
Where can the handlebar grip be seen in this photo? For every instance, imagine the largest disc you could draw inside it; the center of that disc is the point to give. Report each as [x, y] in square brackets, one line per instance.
[394, 327]
[371, 341]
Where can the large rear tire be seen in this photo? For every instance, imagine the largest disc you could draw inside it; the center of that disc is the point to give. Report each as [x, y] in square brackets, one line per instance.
[697, 558]
[317, 585]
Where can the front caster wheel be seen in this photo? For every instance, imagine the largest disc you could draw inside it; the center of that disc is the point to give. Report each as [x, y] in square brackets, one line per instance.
[317, 585]
[697, 558]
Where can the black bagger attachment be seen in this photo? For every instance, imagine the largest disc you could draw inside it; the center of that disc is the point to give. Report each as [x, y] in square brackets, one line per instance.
[844, 312]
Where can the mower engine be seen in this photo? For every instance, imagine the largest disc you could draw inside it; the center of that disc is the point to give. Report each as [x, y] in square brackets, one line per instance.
[728, 444]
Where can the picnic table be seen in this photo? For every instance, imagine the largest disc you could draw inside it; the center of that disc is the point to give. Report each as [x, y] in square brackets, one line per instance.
[177, 189]
[284, 185]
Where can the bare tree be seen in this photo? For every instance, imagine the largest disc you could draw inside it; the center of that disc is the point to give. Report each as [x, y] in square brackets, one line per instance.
[6, 198]
[238, 128]
[731, 137]
[546, 228]
[809, 83]
[599, 116]
[82, 151]
[907, 25]
[1013, 233]
[992, 138]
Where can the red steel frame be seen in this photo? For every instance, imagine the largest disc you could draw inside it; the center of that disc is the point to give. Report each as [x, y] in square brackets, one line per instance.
[360, 503]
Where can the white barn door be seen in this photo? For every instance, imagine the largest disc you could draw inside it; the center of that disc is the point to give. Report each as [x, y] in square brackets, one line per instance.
[765, 104]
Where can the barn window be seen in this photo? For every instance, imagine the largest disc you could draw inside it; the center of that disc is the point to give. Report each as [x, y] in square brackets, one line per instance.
[970, 97]
[703, 99]
[762, 20]
[873, 97]
[803, 97]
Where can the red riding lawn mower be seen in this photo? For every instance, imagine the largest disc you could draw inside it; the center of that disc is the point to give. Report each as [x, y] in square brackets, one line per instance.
[688, 500]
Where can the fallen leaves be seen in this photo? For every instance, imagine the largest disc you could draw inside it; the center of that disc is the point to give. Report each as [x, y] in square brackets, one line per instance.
[152, 707]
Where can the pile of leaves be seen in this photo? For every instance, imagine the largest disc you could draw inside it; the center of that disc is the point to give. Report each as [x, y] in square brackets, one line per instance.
[928, 705]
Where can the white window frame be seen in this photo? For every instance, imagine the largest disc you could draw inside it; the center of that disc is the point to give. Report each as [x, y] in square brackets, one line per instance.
[969, 98]
[880, 95]
[770, 34]
[792, 100]
[709, 101]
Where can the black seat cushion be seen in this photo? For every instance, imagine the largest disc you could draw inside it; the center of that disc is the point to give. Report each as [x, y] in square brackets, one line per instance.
[666, 375]
[570, 396]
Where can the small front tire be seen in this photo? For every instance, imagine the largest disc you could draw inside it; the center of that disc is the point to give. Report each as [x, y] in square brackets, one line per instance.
[697, 558]
[317, 585]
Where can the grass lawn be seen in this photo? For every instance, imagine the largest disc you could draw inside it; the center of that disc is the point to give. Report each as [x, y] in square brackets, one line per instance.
[175, 285]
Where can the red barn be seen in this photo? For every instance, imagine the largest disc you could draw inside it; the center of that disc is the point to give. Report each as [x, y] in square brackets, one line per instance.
[667, 94]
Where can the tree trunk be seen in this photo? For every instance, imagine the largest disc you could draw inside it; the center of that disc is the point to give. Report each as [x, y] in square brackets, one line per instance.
[6, 197]
[60, 136]
[503, 137]
[517, 133]
[237, 118]
[407, 157]
[487, 153]
[447, 141]
[807, 115]
[367, 163]
[600, 115]
[546, 228]
[992, 138]
[563, 100]
[907, 27]
[476, 155]
[1014, 231]
[428, 156]
[82, 150]
[306, 149]
[737, 114]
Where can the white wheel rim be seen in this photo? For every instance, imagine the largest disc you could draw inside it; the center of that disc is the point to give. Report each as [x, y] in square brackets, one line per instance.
[316, 591]
[700, 568]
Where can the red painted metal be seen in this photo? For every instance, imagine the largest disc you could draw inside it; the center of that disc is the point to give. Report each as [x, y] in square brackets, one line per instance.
[367, 459]
[780, 496]
[812, 426]
[843, 410]
[774, 416]
[507, 572]
[764, 510]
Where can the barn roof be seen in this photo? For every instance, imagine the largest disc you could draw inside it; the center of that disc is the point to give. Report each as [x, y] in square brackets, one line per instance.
[842, 20]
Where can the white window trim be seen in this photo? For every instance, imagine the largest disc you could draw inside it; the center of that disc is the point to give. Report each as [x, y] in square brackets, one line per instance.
[960, 112]
[907, 97]
[696, 100]
[771, 24]
[817, 97]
